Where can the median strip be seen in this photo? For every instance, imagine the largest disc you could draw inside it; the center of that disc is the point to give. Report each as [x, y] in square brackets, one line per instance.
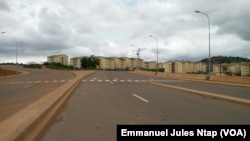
[30, 122]
[208, 94]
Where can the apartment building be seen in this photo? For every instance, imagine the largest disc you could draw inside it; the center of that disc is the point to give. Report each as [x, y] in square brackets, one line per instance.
[245, 69]
[61, 58]
[76, 61]
[226, 69]
[149, 65]
[106, 63]
[133, 63]
[220, 69]
[176, 66]
[122, 63]
[233, 69]
[161, 65]
[200, 67]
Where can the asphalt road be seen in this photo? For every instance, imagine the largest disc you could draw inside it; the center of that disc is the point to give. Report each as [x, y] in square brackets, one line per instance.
[108, 98]
[17, 92]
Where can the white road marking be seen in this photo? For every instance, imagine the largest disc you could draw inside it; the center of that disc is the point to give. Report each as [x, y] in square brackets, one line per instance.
[44, 81]
[91, 80]
[107, 80]
[122, 80]
[27, 86]
[84, 80]
[143, 99]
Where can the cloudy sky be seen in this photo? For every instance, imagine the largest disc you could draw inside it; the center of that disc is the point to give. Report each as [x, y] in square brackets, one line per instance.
[118, 28]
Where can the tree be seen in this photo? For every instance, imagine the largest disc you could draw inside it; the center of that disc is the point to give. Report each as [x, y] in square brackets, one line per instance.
[90, 62]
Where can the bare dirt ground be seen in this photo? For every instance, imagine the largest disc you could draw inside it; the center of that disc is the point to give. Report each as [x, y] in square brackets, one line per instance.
[6, 72]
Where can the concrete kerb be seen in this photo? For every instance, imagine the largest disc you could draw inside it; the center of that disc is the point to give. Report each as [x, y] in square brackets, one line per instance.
[208, 94]
[29, 123]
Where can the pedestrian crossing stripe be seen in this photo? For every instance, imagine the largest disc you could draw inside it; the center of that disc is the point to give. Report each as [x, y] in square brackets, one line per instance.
[95, 80]
[38, 82]
[130, 80]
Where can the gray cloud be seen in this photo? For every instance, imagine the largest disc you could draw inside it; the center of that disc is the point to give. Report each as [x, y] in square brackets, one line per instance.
[108, 28]
[4, 6]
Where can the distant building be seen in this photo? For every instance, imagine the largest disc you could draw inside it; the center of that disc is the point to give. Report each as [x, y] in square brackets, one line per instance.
[161, 65]
[176, 66]
[245, 69]
[76, 62]
[106, 63]
[61, 58]
[122, 63]
[200, 67]
[149, 65]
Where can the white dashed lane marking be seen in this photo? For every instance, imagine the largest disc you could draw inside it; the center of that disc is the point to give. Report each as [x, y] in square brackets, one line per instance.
[143, 99]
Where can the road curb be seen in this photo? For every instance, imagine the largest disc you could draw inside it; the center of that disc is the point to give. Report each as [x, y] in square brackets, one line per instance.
[29, 123]
[208, 94]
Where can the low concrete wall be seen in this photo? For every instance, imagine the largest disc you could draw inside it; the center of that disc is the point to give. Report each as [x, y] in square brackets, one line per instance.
[231, 79]
[174, 75]
[187, 76]
[228, 79]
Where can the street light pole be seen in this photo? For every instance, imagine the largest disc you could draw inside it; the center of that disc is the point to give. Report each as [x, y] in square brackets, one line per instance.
[209, 59]
[16, 50]
[156, 53]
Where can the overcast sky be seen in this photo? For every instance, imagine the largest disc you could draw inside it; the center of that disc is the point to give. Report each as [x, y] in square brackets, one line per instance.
[117, 28]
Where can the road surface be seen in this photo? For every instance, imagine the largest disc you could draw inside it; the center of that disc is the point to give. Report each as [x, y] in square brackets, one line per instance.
[108, 98]
[17, 92]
